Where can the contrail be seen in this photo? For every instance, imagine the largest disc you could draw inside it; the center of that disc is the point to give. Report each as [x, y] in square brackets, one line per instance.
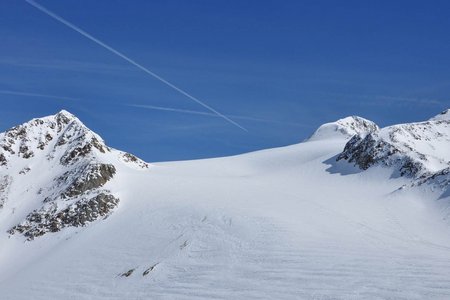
[123, 56]
[208, 114]
[6, 92]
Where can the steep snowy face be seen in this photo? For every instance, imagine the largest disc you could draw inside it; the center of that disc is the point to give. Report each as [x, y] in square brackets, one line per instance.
[344, 128]
[419, 150]
[54, 173]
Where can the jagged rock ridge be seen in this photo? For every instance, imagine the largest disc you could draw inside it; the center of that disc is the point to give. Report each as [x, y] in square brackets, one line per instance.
[418, 150]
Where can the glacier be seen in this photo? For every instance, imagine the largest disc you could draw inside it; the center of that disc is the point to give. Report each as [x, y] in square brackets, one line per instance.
[354, 212]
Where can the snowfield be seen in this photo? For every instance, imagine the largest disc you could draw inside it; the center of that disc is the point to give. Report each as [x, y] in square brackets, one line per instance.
[284, 223]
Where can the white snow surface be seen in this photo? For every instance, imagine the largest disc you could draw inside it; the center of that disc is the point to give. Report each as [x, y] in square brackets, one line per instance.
[444, 115]
[284, 223]
[344, 128]
[427, 142]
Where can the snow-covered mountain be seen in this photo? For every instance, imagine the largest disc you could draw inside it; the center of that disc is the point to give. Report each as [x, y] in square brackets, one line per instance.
[346, 127]
[418, 150]
[55, 173]
[329, 218]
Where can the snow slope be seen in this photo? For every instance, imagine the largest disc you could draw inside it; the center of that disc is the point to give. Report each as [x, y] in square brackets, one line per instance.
[285, 223]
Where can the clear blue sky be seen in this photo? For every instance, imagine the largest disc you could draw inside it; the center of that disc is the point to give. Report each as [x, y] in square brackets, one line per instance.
[292, 65]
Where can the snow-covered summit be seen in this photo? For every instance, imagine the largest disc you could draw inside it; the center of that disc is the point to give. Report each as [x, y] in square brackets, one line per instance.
[54, 173]
[344, 128]
[60, 136]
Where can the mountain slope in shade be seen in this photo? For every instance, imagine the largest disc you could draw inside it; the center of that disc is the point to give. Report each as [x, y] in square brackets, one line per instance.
[284, 223]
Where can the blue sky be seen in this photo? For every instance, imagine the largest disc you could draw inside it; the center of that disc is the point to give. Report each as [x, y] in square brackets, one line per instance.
[281, 68]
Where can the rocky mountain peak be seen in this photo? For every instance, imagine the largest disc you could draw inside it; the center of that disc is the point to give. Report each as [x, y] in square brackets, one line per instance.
[344, 128]
[65, 117]
[61, 169]
[419, 150]
[62, 134]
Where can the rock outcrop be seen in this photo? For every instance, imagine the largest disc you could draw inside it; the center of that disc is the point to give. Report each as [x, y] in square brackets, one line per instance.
[417, 150]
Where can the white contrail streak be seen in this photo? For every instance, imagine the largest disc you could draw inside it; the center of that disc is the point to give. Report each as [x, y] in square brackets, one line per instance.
[6, 92]
[208, 114]
[123, 56]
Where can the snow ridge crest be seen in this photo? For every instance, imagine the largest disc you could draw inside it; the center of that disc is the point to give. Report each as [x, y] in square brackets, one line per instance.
[344, 128]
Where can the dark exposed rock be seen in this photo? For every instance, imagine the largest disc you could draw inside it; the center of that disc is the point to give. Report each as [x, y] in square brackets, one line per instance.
[25, 151]
[184, 245]
[147, 271]
[127, 273]
[42, 143]
[17, 132]
[96, 143]
[24, 170]
[409, 167]
[368, 151]
[8, 148]
[5, 182]
[76, 153]
[441, 178]
[359, 151]
[80, 213]
[90, 177]
[130, 158]
[3, 160]
[410, 148]
[63, 118]
[61, 141]
[82, 149]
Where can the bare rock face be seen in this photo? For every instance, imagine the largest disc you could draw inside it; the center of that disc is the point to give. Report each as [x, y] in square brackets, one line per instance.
[62, 169]
[80, 213]
[5, 183]
[88, 178]
[371, 150]
[133, 160]
[440, 179]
